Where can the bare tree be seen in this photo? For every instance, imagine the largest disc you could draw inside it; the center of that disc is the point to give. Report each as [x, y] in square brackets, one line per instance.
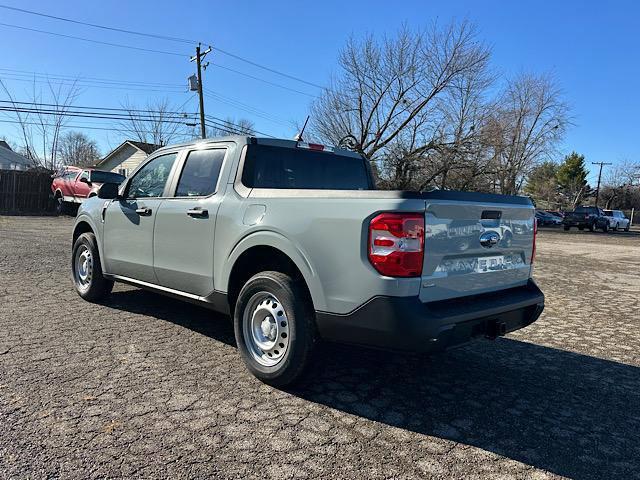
[42, 119]
[395, 97]
[231, 126]
[158, 122]
[75, 148]
[529, 121]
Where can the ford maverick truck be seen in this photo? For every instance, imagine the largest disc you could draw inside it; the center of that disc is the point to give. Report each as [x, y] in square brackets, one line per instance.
[293, 241]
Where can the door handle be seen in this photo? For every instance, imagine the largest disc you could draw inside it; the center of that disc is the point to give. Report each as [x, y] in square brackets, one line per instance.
[198, 212]
[143, 211]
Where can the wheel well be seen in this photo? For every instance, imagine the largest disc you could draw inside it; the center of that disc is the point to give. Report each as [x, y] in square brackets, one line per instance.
[260, 259]
[82, 227]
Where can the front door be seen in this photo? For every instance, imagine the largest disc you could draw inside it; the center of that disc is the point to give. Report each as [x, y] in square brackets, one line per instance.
[185, 224]
[129, 221]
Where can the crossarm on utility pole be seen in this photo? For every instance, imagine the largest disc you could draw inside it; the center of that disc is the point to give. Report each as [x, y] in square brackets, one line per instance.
[198, 58]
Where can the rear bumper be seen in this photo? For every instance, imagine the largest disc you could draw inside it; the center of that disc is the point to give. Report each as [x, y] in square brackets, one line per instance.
[405, 323]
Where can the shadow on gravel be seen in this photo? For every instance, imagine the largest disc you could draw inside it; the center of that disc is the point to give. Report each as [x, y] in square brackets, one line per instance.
[571, 414]
[199, 319]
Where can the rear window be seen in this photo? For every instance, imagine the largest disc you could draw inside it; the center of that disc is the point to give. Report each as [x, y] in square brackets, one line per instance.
[99, 176]
[586, 210]
[267, 166]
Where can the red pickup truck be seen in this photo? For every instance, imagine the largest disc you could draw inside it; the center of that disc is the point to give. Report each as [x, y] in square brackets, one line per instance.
[72, 185]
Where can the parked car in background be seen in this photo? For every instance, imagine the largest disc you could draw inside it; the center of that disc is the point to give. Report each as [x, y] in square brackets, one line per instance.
[617, 220]
[295, 243]
[556, 213]
[545, 219]
[73, 185]
[591, 218]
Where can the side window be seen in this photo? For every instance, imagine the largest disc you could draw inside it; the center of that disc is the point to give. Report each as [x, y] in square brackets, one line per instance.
[151, 179]
[200, 174]
[85, 174]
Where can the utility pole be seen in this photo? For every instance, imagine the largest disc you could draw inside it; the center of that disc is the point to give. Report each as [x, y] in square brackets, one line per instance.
[198, 58]
[602, 164]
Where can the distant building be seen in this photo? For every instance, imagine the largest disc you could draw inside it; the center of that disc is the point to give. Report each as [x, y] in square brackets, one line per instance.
[126, 157]
[10, 160]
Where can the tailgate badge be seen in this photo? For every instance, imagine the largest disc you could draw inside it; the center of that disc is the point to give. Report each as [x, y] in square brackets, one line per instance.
[489, 239]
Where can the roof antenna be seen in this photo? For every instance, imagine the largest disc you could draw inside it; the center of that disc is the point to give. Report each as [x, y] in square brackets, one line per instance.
[298, 137]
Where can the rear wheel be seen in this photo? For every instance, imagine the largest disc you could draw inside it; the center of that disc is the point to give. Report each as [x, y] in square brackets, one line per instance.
[62, 207]
[617, 227]
[274, 328]
[592, 227]
[581, 228]
[605, 228]
[626, 229]
[566, 228]
[87, 271]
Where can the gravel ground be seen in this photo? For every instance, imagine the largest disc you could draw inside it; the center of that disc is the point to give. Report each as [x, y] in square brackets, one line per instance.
[145, 386]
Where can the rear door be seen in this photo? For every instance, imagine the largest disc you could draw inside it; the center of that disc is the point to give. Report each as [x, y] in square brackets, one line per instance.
[185, 223]
[473, 248]
[129, 222]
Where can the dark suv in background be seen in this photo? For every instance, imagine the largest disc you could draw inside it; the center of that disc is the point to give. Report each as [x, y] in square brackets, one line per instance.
[591, 218]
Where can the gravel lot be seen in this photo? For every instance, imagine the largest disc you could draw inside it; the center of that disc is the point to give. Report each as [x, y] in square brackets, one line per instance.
[145, 386]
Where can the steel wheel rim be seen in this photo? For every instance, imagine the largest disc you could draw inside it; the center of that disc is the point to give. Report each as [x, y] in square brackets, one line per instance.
[265, 327]
[83, 268]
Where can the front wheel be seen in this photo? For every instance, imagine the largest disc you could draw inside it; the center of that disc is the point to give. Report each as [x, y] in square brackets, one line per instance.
[605, 228]
[617, 227]
[592, 227]
[87, 271]
[628, 227]
[274, 327]
[566, 228]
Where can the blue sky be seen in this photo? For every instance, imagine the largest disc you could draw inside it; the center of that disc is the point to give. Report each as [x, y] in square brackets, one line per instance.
[591, 47]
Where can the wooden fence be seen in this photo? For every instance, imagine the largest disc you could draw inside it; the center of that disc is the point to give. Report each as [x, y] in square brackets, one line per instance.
[25, 193]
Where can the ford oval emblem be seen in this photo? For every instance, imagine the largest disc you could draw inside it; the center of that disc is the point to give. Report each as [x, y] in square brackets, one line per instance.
[489, 239]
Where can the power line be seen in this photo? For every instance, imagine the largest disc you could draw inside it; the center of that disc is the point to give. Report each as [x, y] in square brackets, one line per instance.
[262, 80]
[163, 37]
[149, 50]
[121, 109]
[90, 79]
[104, 113]
[73, 37]
[88, 127]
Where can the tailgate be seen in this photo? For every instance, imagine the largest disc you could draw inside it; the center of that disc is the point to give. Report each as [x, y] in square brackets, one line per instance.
[473, 248]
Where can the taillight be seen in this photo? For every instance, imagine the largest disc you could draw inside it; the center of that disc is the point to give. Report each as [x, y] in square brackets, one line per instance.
[396, 244]
[535, 234]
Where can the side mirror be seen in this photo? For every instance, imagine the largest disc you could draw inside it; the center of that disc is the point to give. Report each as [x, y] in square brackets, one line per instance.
[108, 191]
[85, 180]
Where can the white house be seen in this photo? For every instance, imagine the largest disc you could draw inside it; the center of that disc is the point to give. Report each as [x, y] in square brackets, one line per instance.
[10, 160]
[126, 157]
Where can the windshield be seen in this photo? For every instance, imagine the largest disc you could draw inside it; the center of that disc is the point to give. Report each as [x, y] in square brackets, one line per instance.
[98, 176]
[268, 166]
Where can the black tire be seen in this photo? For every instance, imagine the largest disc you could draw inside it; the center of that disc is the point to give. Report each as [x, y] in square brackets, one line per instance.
[592, 227]
[95, 286]
[566, 228]
[628, 227]
[581, 228]
[617, 227]
[298, 311]
[62, 207]
[605, 228]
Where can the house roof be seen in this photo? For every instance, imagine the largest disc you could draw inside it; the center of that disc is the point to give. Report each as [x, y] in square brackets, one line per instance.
[147, 148]
[8, 156]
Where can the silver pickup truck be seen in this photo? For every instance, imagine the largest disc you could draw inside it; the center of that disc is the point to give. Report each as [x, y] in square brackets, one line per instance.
[293, 241]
